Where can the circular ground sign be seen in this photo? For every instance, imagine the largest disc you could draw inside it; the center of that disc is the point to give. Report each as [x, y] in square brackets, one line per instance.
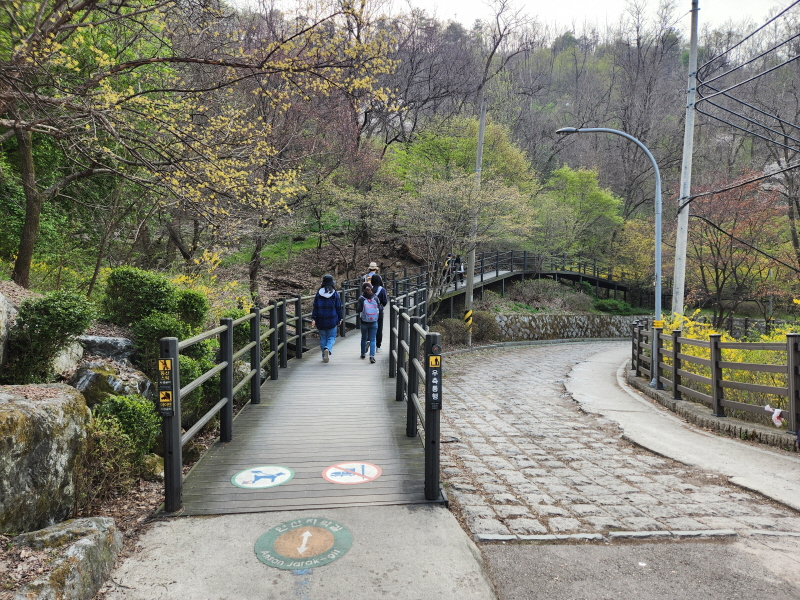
[350, 473]
[262, 477]
[303, 543]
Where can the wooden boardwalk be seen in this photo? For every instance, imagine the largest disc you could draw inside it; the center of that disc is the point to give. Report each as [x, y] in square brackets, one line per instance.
[315, 416]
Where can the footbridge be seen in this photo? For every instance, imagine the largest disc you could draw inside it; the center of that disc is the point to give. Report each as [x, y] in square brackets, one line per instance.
[314, 434]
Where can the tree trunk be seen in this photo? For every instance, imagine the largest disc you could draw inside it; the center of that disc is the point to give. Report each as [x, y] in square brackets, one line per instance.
[33, 210]
[255, 268]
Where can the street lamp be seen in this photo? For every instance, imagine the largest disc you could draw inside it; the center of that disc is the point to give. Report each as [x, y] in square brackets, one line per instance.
[570, 130]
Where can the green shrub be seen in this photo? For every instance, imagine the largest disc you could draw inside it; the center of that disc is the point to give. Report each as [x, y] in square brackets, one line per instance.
[44, 328]
[192, 307]
[241, 333]
[146, 334]
[199, 400]
[138, 419]
[132, 294]
[577, 303]
[452, 330]
[615, 307]
[484, 327]
[550, 295]
[105, 467]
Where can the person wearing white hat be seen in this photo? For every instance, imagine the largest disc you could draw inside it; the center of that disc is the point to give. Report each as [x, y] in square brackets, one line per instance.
[373, 270]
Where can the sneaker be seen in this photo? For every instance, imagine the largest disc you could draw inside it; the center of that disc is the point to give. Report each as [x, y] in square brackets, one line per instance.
[372, 359]
[378, 349]
[362, 356]
[325, 355]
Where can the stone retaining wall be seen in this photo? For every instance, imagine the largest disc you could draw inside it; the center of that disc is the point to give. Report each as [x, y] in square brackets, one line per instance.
[518, 327]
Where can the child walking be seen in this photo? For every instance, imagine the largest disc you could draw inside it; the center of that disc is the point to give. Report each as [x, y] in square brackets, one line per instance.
[369, 312]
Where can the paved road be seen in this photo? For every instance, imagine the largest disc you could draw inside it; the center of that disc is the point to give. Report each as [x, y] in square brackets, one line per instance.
[535, 478]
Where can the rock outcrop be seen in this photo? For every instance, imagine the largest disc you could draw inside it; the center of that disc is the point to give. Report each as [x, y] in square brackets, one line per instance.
[92, 546]
[42, 428]
[116, 348]
[98, 379]
[7, 315]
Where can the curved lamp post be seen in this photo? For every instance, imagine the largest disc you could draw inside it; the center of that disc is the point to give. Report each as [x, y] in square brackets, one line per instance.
[569, 130]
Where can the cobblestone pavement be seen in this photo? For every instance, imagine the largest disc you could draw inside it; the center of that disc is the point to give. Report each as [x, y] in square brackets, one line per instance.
[520, 459]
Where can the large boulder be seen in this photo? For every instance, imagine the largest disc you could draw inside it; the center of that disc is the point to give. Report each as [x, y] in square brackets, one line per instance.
[98, 379]
[7, 315]
[42, 428]
[68, 358]
[93, 545]
[117, 348]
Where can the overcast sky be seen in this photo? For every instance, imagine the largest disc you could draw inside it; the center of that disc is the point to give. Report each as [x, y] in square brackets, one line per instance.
[601, 12]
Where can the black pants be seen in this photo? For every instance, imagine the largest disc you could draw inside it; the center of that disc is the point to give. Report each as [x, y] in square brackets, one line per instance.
[379, 335]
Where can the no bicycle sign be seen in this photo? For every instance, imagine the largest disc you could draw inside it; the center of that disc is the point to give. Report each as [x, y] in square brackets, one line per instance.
[350, 473]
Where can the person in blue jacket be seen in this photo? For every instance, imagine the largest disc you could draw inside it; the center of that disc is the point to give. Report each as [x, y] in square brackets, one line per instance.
[327, 315]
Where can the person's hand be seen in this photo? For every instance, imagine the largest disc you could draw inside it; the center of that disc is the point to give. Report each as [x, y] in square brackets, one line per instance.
[313, 323]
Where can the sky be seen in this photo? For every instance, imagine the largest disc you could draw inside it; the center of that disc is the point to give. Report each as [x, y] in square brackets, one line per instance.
[602, 12]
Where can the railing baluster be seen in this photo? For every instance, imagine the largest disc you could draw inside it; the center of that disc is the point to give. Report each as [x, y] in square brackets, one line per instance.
[171, 426]
[716, 376]
[402, 328]
[793, 381]
[255, 355]
[676, 364]
[413, 378]
[226, 380]
[298, 326]
[283, 334]
[274, 340]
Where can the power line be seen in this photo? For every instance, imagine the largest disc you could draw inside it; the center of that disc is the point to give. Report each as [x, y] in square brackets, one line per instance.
[780, 14]
[734, 186]
[733, 237]
[766, 139]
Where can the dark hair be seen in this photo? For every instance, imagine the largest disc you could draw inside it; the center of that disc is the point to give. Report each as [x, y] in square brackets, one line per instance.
[366, 290]
[328, 283]
[376, 281]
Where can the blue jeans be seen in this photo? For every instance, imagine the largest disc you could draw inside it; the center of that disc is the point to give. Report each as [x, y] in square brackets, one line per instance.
[368, 332]
[327, 337]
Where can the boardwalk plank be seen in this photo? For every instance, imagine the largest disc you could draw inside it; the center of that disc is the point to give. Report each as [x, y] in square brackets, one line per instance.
[314, 416]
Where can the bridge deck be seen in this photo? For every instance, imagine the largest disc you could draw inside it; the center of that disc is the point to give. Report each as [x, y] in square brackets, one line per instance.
[314, 416]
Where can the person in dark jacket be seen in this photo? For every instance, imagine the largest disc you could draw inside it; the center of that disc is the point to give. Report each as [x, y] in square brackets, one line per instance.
[327, 315]
[383, 300]
[368, 329]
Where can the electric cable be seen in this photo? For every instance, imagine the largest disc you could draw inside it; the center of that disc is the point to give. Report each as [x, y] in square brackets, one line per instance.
[734, 186]
[743, 40]
[733, 237]
[766, 139]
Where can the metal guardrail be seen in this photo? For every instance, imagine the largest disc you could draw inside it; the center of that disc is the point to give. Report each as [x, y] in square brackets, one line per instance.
[667, 364]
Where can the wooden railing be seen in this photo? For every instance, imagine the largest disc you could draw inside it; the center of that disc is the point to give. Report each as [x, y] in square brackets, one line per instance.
[414, 360]
[672, 360]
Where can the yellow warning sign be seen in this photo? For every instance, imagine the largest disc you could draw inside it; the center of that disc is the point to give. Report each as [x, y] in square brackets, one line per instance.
[658, 323]
[165, 399]
[434, 361]
[165, 364]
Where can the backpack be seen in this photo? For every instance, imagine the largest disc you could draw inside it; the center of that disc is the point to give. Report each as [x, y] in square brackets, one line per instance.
[369, 314]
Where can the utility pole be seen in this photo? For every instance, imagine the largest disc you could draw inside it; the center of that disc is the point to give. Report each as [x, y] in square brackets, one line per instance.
[682, 232]
[473, 231]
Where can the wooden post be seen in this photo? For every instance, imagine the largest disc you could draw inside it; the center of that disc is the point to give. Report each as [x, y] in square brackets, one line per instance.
[402, 335]
[226, 380]
[273, 340]
[716, 376]
[298, 326]
[393, 345]
[170, 408]
[676, 364]
[413, 378]
[283, 334]
[793, 372]
[255, 355]
[639, 348]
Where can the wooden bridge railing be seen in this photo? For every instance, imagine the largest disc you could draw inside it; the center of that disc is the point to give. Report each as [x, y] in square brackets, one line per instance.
[414, 359]
[673, 360]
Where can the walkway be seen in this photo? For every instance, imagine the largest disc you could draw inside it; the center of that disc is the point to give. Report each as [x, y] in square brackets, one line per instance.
[315, 416]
